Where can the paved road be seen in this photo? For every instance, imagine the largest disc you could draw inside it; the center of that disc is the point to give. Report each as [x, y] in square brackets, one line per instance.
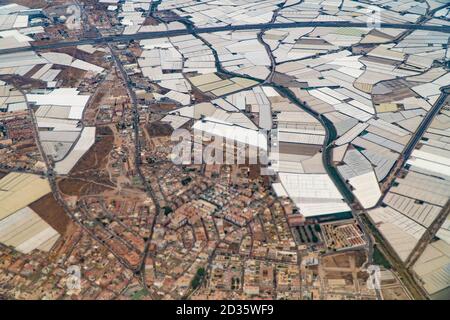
[259, 26]
[397, 265]
[140, 270]
[426, 122]
[428, 236]
[407, 151]
[149, 35]
[51, 176]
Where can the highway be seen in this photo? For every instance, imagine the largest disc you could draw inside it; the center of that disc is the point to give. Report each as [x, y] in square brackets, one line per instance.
[258, 26]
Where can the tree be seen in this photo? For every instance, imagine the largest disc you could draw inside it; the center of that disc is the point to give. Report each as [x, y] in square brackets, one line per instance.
[197, 280]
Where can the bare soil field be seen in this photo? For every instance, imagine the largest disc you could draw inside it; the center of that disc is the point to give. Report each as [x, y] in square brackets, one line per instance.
[150, 21]
[23, 82]
[342, 260]
[95, 158]
[158, 129]
[79, 187]
[156, 107]
[286, 80]
[299, 148]
[33, 70]
[72, 187]
[71, 77]
[50, 211]
[88, 175]
[200, 96]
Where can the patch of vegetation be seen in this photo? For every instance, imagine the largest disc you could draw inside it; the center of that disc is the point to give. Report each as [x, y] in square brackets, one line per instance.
[380, 259]
[167, 210]
[198, 278]
[138, 295]
[186, 181]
